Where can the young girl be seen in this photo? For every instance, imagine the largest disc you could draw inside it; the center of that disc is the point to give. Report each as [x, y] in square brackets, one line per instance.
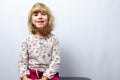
[39, 57]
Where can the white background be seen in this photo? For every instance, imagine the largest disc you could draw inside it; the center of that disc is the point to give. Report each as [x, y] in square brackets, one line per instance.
[88, 31]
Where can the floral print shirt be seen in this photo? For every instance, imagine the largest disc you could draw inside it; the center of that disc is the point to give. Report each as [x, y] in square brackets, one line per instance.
[39, 54]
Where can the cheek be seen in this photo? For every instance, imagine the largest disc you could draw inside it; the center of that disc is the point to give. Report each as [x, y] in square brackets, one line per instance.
[46, 19]
[33, 20]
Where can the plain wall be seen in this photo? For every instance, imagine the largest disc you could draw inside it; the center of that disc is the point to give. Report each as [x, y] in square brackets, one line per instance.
[88, 31]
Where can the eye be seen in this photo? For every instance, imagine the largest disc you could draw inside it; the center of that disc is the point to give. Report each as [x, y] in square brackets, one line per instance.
[44, 14]
[35, 14]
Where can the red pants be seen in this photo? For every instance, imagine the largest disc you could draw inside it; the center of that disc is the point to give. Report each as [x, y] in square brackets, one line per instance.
[34, 76]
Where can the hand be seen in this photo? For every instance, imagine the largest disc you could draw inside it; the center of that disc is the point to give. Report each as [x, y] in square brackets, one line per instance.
[44, 78]
[25, 78]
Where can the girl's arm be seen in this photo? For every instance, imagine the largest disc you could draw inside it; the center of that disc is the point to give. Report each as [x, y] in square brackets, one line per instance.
[23, 60]
[55, 63]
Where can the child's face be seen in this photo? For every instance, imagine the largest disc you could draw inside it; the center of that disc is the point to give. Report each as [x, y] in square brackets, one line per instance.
[40, 19]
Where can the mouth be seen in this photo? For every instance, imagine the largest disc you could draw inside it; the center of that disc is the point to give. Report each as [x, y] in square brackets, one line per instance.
[40, 21]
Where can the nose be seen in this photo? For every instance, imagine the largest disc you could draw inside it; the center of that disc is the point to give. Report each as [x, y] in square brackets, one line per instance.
[39, 15]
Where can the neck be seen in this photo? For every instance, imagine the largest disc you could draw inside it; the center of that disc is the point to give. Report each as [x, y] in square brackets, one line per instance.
[39, 35]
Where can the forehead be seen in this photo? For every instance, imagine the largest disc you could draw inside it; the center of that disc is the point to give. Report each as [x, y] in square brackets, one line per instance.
[39, 8]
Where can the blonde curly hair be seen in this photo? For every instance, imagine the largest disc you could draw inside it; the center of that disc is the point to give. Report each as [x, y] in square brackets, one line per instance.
[40, 7]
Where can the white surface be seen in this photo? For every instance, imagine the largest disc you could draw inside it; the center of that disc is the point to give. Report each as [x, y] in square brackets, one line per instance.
[88, 30]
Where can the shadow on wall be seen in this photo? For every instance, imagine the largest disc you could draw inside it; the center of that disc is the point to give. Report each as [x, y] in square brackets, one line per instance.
[67, 71]
[66, 65]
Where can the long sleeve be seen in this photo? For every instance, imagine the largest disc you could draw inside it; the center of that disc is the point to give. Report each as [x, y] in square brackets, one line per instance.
[55, 63]
[23, 60]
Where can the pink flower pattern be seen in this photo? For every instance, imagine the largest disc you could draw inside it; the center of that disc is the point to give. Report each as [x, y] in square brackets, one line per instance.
[39, 54]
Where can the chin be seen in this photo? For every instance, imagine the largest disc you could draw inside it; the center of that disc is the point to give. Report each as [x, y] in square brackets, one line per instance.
[40, 26]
